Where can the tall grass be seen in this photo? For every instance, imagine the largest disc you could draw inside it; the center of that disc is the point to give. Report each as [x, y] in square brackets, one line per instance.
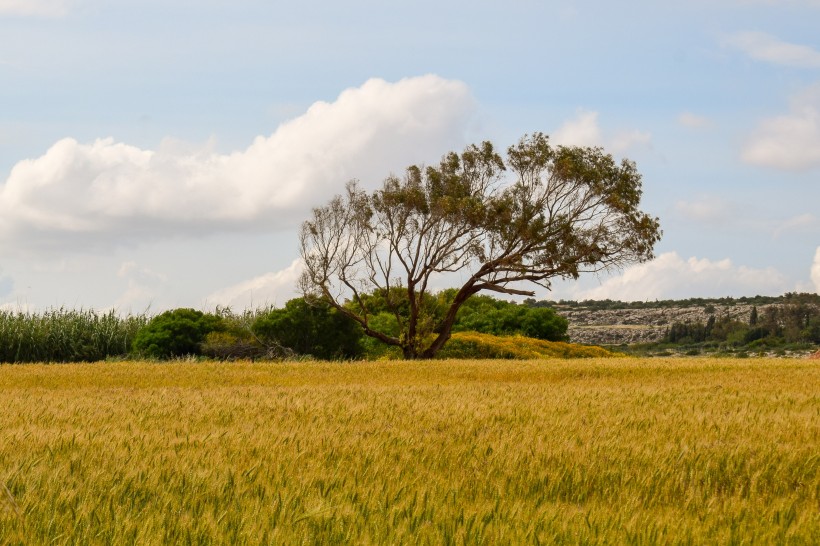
[478, 345]
[595, 451]
[62, 335]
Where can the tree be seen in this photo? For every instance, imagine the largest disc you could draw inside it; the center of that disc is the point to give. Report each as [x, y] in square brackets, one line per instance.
[562, 212]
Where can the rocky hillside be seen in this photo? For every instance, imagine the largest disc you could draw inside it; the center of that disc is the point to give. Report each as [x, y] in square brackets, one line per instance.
[626, 326]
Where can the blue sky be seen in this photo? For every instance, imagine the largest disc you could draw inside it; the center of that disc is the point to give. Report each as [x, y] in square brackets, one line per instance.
[158, 154]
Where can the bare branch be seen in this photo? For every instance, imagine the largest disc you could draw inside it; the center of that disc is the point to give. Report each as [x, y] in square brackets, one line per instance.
[565, 211]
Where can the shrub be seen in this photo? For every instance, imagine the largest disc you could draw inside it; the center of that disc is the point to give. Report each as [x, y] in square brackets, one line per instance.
[175, 333]
[487, 315]
[231, 346]
[314, 328]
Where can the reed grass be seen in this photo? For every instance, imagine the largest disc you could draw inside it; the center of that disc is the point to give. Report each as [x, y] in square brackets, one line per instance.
[594, 451]
[64, 335]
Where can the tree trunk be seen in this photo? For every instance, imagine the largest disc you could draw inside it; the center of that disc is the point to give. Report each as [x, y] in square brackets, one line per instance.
[437, 344]
[409, 353]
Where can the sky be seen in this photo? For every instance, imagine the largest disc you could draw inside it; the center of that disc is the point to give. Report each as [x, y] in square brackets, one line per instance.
[161, 154]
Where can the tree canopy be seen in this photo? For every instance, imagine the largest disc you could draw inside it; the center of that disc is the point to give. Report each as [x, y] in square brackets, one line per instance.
[546, 212]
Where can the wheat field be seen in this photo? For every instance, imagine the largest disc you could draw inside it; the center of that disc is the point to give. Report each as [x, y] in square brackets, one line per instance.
[599, 451]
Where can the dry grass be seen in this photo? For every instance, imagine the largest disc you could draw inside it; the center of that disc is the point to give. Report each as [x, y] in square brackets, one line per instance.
[499, 452]
[477, 345]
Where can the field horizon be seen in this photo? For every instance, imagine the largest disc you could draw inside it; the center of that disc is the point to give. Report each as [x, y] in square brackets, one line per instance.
[643, 451]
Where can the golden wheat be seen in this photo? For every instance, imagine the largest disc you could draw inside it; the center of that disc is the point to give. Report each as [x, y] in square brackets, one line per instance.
[496, 452]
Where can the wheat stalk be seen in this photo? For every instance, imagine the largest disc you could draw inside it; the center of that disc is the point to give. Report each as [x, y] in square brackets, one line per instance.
[10, 498]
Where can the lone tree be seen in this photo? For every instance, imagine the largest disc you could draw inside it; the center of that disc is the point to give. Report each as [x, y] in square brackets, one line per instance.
[564, 211]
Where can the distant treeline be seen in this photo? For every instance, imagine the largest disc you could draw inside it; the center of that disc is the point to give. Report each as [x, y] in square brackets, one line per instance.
[796, 322]
[316, 330]
[299, 329]
[788, 298]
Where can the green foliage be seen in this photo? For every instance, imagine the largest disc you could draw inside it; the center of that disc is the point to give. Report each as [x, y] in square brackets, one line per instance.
[812, 331]
[491, 316]
[483, 314]
[235, 340]
[310, 328]
[546, 212]
[686, 332]
[175, 333]
[796, 321]
[61, 335]
[389, 311]
[707, 303]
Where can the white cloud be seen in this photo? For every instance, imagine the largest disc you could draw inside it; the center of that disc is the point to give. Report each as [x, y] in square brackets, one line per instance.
[765, 47]
[6, 286]
[705, 209]
[131, 269]
[671, 277]
[800, 223]
[584, 130]
[815, 271]
[269, 289]
[694, 121]
[136, 298]
[106, 192]
[790, 141]
[779, 3]
[39, 8]
[626, 140]
[15, 307]
[143, 287]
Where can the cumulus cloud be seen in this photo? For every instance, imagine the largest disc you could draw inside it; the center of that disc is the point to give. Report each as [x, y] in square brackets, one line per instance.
[671, 277]
[585, 130]
[694, 121]
[806, 3]
[626, 140]
[790, 141]
[765, 47]
[815, 271]
[801, 223]
[16, 307]
[36, 8]
[107, 192]
[269, 289]
[135, 298]
[143, 285]
[6, 286]
[705, 209]
[582, 131]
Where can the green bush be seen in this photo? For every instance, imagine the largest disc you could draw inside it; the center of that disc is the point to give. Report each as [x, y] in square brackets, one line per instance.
[488, 315]
[175, 333]
[314, 328]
